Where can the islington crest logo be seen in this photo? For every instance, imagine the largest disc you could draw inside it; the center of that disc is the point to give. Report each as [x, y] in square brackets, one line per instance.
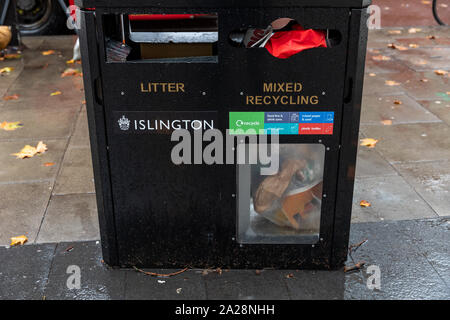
[124, 123]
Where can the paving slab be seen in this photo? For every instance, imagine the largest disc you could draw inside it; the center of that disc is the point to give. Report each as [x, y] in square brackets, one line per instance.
[370, 164]
[76, 175]
[188, 285]
[32, 43]
[247, 285]
[391, 198]
[70, 218]
[30, 169]
[441, 108]
[424, 85]
[377, 85]
[327, 285]
[80, 136]
[431, 180]
[24, 271]
[396, 108]
[405, 271]
[374, 65]
[39, 125]
[411, 142]
[98, 281]
[22, 207]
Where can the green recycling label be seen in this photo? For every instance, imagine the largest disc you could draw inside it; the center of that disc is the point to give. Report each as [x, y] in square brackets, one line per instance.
[246, 121]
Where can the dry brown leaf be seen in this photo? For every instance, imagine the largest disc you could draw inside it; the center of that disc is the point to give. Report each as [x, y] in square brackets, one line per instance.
[364, 203]
[381, 58]
[290, 275]
[10, 126]
[49, 164]
[56, 93]
[397, 102]
[11, 97]
[398, 47]
[48, 52]
[424, 80]
[427, 2]
[394, 31]
[19, 240]
[386, 122]
[372, 74]
[413, 45]
[391, 83]
[431, 37]
[368, 142]
[440, 72]
[71, 72]
[355, 267]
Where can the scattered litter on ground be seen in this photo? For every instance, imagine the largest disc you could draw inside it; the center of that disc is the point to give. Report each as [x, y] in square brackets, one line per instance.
[19, 240]
[154, 274]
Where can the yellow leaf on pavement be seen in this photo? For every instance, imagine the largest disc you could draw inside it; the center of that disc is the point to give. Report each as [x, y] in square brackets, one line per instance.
[364, 203]
[6, 70]
[368, 142]
[10, 126]
[41, 147]
[56, 93]
[19, 240]
[29, 151]
[48, 52]
[391, 83]
[71, 72]
[386, 122]
[381, 58]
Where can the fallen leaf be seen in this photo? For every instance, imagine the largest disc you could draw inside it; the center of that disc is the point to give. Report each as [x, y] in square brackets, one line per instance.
[414, 30]
[368, 142]
[397, 102]
[29, 151]
[413, 45]
[71, 72]
[41, 147]
[381, 58]
[56, 93]
[83, 102]
[12, 56]
[290, 275]
[48, 52]
[394, 31]
[426, 2]
[71, 61]
[6, 70]
[364, 203]
[19, 240]
[10, 126]
[49, 164]
[398, 47]
[391, 83]
[440, 72]
[372, 74]
[423, 80]
[386, 122]
[179, 290]
[355, 267]
[420, 62]
[257, 272]
[431, 37]
[11, 97]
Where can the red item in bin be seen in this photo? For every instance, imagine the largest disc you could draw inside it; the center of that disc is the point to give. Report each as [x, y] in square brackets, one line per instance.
[284, 44]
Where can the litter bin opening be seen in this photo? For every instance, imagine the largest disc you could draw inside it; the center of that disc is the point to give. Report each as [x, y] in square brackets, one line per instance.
[284, 38]
[161, 37]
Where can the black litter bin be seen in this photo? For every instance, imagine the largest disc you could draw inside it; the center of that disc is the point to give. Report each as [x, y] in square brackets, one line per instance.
[153, 69]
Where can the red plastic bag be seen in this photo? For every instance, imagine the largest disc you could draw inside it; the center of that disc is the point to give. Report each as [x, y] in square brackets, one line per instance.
[284, 44]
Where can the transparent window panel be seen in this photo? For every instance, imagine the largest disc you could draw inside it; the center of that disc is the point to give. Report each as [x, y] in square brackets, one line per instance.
[285, 207]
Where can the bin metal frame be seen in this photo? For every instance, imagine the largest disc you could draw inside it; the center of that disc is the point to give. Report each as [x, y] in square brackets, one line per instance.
[137, 224]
